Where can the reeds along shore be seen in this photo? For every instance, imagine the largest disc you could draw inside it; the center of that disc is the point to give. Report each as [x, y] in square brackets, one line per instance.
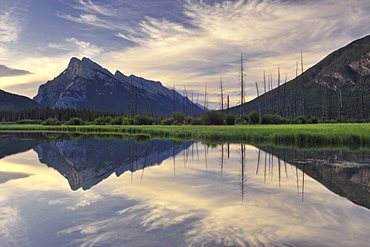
[353, 135]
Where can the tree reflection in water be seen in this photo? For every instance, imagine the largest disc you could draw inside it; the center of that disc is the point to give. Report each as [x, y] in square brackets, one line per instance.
[168, 193]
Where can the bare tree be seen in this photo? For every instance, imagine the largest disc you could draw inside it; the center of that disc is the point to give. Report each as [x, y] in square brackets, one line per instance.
[340, 98]
[264, 86]
[296, 90]
[221, 95]
[303, 89]
[173, 98]
[205, 98]
[228, 104]
[242, 75]
[258, 101]
[264, 81]
[278, 89]
[185, 101]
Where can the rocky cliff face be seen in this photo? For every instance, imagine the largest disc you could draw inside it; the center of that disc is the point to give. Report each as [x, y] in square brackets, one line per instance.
[85, 84]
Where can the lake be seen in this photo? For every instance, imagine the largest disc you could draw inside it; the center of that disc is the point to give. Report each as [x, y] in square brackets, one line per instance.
[68, 190]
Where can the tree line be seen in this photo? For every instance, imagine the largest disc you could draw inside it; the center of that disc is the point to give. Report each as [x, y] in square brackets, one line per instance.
[59, 116]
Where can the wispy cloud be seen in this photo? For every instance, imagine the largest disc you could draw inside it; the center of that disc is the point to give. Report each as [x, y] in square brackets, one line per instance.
[9, 25]
[95, 15]
[90, 19]
[269, 33]
[94, 8]
[6, 71]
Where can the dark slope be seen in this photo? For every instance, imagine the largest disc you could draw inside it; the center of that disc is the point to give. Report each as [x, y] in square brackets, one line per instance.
[339, 85]
[14, 102]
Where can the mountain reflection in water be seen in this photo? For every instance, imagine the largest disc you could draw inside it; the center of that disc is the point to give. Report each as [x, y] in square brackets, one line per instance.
[191, 194]
[85, 163]
[346, 173]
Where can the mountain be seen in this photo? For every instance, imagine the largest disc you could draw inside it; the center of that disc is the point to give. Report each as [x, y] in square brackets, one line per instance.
[14, 102]
[87, 85]
[339, 85]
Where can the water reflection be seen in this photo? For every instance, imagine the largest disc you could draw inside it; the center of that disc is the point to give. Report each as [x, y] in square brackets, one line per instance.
[85, 163]
[187, 194]
[16, 143]
[346, 173]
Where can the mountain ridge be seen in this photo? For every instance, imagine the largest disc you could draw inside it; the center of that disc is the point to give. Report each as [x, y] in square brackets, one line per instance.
[85, 84]
[14, 102]
[337, 86]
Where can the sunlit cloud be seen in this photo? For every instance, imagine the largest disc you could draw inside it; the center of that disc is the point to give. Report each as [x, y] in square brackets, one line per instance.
[45, 68]
[85, 48]
[86, 199]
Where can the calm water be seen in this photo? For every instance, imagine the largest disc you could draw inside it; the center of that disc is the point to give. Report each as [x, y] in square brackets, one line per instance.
[110, 192]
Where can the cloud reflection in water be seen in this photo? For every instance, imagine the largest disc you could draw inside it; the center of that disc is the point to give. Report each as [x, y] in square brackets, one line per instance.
[207, 209]
[192, 200]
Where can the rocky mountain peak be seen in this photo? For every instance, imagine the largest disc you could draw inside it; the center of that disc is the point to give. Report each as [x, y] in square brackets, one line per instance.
[85, 67]
[87, 85]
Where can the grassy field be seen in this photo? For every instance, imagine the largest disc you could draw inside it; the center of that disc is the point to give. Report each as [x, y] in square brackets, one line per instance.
[354, 135]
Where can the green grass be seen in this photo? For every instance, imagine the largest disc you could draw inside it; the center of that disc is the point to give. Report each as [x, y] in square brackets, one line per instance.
[352, 135]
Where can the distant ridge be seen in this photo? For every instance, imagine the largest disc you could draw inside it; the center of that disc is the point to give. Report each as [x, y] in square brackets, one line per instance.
[87, 85]
[14, 102]
[337, 86]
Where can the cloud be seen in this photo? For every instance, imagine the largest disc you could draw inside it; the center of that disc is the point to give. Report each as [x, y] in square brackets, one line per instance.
[90, 19]
[9, 25]
[194, 42]
[58, 46]
[12, 227]
[95, 15]
[77, 47]
[269, 33]
[6, 71]
[43, 69]
[85, 48]
[86, 199]
[89, 6]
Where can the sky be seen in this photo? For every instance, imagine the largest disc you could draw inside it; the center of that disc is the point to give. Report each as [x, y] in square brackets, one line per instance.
[192, 44]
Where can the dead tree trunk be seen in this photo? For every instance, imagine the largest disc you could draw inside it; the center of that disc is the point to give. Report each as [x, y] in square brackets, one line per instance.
[303, 89]
[242, 97]
[221, 96]
[258, 100]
